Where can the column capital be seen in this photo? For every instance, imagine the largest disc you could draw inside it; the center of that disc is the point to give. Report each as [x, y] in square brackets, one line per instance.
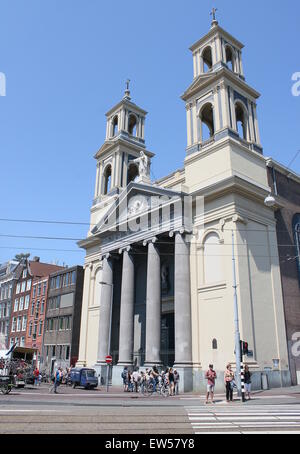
[125, 249]
[150, 240]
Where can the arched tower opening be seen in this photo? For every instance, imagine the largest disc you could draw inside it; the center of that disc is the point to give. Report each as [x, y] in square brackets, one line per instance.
[107, 180]
[207, 121]
[207, 59]
[241, 120]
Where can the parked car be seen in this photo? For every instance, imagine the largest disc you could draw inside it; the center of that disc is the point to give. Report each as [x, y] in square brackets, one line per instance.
[84, 377]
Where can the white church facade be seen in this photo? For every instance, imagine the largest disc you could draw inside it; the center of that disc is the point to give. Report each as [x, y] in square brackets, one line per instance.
[158, 286]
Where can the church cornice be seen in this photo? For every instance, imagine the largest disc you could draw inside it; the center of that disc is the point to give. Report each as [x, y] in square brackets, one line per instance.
[216, 31]
[222, 76]
[119, 142]
[126, 103]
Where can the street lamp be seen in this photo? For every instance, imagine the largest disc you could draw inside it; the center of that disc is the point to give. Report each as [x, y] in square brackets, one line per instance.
[110, 329]
[270, 201]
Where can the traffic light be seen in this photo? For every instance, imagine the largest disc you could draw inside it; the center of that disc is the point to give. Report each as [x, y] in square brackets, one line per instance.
[244, 348]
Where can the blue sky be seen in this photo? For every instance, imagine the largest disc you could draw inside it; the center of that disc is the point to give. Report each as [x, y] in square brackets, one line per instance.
[66, 62]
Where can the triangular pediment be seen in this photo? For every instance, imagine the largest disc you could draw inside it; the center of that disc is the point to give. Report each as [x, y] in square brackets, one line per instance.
[141, 211]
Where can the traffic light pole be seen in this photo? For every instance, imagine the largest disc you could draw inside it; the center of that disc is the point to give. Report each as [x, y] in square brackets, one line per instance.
[238, 352]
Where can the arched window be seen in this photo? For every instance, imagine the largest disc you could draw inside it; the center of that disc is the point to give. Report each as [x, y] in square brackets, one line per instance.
[132, 125]
[207, 122]
[213, 263]
[296, 228]
[207, 59]
[115, 126]
[132, 173]
[107, 179]
[241, 120]
[215, 344]
[229, 58]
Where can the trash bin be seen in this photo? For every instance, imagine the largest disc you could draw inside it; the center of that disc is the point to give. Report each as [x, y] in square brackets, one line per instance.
[264, 382]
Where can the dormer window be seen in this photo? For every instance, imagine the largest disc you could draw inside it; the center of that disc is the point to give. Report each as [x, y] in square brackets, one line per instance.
[207, 59]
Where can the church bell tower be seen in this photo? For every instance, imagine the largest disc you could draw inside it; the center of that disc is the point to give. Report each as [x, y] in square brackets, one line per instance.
[116, 159]
[219, 102]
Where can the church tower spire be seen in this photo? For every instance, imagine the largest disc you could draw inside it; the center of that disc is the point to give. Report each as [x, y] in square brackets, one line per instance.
[219, 102]
[124, 142]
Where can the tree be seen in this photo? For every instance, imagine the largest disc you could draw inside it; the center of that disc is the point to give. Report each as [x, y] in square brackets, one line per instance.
[22, 256]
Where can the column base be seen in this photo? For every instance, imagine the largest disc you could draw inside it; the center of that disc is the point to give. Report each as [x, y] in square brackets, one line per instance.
[186, 378]
[150, 364]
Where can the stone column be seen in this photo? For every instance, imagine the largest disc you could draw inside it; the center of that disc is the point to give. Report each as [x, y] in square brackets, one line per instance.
[127, 311]
[183, 325]
[84, 315]
[105, 310]
[153, 307]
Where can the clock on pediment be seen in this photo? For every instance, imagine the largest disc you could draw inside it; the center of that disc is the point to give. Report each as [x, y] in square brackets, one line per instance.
[137, 204]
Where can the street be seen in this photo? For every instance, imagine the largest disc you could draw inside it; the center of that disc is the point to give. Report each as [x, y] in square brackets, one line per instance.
[35, 411]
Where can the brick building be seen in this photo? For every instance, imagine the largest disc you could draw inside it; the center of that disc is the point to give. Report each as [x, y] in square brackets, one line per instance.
[27, 273]
[286, 189]
[63, 316]
[7, 283]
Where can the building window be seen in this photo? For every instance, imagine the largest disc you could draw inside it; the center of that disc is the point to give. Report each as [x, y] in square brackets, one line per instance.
[22, 344]
[24, 275]
[21, 305]
[229, 58]
[27, 299]
[32, 309]
[115, 126]
[14, 325]
[67, 352]
[23, 287]
[30, 329]
[42, 307]
[28, 286]
[18, 289]
[34, 291]
[44, 288]
[215, 344]
[24, 323]
[16, 306]
[40, 328]
[19, 324]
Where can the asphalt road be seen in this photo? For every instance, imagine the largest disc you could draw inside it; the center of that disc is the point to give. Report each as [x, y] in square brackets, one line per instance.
[94, 412]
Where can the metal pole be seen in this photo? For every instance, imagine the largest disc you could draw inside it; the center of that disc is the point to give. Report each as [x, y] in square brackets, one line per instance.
[236, 323]
[109, 335]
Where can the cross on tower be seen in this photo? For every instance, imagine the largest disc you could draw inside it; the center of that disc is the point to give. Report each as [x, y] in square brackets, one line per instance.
[213, 14]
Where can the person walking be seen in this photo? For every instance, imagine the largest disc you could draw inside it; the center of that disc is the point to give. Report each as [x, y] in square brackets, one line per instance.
[248, 382]
[211, 381]
[136, 380]
[124, 377]
[176, 381]
[171, 382]
[56, 381]
[229, 380]
[36, 374]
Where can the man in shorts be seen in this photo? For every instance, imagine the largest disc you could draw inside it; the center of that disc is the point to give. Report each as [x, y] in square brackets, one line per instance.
[211, 381]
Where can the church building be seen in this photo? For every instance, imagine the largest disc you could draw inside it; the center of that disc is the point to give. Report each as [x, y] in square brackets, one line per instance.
[158, 287]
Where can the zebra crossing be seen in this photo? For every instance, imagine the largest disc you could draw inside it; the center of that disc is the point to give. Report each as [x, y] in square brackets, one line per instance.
[241, 419]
